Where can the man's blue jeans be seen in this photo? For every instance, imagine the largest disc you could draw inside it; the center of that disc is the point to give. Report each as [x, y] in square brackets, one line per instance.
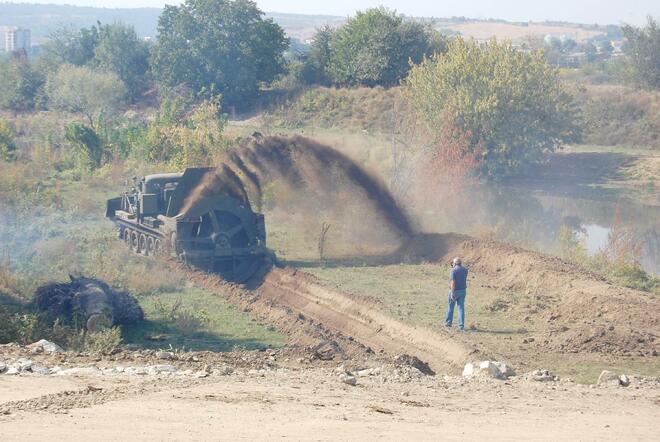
[460, 300]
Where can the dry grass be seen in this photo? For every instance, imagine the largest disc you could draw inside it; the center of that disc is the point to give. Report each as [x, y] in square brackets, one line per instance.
[510, 31]
[620, 116]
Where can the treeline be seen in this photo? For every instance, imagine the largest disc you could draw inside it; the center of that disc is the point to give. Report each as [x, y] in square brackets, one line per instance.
[511, 105]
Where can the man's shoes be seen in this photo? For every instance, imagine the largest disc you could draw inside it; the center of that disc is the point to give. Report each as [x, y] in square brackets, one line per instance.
[447, 325]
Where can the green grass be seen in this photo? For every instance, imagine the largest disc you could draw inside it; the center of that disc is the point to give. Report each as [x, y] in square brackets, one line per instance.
[417, 294]
[202, 321]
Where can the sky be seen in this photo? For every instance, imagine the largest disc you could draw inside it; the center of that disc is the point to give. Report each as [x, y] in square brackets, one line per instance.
[580, 11]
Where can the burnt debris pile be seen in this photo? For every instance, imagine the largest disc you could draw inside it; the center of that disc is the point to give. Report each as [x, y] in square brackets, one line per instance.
[87, 302]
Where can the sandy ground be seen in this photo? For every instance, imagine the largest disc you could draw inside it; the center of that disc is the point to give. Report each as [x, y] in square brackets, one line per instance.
[312, 404]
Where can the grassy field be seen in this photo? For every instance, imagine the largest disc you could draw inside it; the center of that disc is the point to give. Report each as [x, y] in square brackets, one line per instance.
[193, 319]
[52, 226]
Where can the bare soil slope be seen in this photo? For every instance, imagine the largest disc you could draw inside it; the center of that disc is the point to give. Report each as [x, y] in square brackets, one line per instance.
[583, 312]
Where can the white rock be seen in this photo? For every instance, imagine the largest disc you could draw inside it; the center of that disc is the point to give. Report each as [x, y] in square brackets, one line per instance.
[3, 367]
[158, 369]
[468, 370]
[46, 346]
[23, 364]
[506, 370]
[543, 376]
[12, 370]
[624, 380]
[201, 374]
[488, 368]
[348, 379]
[608, 378]
[79, 371]
[40, 370]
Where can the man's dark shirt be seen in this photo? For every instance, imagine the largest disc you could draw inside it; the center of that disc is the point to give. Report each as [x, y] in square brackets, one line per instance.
[459, 276]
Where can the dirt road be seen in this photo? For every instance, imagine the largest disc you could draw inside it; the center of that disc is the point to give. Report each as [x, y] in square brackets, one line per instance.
[310, 403]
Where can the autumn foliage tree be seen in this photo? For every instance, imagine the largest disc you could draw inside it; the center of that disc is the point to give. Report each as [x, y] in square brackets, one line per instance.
[449, 164]
[513, 104]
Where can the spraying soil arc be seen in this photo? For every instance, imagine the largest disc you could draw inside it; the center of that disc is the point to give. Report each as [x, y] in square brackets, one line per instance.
[321, 178]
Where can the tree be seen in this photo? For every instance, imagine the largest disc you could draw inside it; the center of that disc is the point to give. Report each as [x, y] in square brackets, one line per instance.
[7, 146]
[376, 48]
[83, 90]
[607, 48]
[71, 46]
[186, 140]
[20, 86]
[119, 50]
[87, 141]
[111, 48]
[512, 103]
[318, 58]
[218, 46]
[643, 48]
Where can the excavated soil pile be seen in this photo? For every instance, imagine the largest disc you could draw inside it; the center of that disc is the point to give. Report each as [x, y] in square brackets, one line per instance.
[582, 312]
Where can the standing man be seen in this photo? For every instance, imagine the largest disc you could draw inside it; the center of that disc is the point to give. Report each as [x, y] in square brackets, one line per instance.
[457, 292]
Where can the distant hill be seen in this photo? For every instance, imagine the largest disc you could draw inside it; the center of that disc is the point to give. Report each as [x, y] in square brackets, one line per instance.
[44, 19]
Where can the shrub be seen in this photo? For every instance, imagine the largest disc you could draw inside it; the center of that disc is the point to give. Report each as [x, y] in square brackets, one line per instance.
[103, 341]
[7, 146]
[83, 90]
[620, 116]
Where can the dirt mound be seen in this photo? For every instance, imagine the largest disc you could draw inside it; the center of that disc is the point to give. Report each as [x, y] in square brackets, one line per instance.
[428, 247]
[579, 310]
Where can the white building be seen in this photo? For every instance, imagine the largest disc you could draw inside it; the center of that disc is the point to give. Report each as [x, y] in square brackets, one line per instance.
[15, 39]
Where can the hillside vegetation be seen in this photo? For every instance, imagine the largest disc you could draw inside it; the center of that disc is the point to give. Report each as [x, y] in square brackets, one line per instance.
[614, 115]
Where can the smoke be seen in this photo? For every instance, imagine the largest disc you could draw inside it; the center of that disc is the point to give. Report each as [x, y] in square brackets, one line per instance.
[311, 179]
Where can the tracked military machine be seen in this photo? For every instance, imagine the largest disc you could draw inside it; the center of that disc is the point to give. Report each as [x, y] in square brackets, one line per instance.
[219, 234]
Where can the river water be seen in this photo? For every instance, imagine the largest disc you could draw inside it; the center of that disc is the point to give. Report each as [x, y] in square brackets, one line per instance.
[532, 217]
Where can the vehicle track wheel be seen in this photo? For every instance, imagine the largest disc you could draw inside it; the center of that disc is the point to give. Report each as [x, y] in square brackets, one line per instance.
[151, 245]
[158, 247]
[135, 241]
[127, 237]
[143, 246]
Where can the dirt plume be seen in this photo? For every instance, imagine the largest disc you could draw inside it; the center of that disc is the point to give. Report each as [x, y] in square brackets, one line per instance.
[221, 181]
[310, 177]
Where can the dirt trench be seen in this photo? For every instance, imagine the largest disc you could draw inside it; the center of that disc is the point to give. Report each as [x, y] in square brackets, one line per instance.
[312, 315]
[362, 320]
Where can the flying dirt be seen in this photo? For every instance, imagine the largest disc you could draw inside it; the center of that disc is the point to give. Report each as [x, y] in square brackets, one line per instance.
[311, 178]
